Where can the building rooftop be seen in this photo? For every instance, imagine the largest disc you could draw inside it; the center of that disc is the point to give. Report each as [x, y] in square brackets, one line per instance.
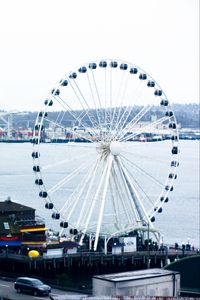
[135, 275]
[10, 206]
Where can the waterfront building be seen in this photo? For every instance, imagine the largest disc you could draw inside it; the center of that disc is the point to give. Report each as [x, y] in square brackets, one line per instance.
[19, 226]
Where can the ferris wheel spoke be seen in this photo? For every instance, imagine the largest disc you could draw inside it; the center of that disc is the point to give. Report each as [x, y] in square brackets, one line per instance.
[60, 117]
[120, 95]
[111, 91]
[68, 209]
[85, 109]
[64, 104]
[79, 96]
[137, 91]
[129, 126]
[84, 211]
[110, 107]
[56, 123]
[121, 197]
[157, 183]
[114, 196]
[96, 89]
[139, 186]
[79, 118]
[85, 106]
[132, 206]
[145, 173]
[95, 198]
[133, 122]
[105, 97]
[116, 112]
[63, 162]
[145, 157]
[144, 129]
[128, 203]
[59, 125]
[123, 119]
[67, 179]
[93, 99]
[125, 115]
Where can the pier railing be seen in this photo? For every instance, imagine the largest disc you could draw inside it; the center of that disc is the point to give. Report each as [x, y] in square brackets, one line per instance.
[169, 253]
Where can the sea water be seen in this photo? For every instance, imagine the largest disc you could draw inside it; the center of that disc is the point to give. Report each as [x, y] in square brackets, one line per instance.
[179, 222]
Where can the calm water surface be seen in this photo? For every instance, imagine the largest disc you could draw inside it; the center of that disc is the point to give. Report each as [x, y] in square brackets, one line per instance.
[179, 222]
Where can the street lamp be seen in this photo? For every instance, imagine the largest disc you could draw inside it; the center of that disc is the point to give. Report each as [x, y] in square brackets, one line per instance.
[148, 250]
[6, 250]
[161, 243]
[145, 223]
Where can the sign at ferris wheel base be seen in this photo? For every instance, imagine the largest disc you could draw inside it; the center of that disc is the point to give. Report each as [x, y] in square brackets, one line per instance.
[129, 243]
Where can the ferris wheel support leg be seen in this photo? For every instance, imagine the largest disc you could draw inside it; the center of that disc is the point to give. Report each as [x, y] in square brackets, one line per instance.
[135, 196]
[61, 232]
[128, 194]
[158, 237]
[103, 203]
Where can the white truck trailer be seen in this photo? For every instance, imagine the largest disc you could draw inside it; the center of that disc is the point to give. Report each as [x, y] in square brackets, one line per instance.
[150, 282]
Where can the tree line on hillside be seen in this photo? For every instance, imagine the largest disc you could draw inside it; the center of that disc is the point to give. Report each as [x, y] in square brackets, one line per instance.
[188, 115]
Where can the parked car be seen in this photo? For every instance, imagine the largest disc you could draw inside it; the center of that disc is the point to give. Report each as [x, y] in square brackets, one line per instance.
[32, 286]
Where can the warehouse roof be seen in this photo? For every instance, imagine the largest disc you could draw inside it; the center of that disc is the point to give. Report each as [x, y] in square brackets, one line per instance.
[9, 206]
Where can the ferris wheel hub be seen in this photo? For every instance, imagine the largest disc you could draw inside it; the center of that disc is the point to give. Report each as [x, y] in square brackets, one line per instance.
[115, 148]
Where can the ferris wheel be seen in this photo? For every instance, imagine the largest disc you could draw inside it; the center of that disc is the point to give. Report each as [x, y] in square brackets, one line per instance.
[105, 151]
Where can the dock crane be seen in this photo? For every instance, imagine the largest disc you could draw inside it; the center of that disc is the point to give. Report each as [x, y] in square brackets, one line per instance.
[6, 117]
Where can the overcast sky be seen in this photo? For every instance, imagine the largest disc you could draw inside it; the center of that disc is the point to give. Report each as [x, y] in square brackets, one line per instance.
[41, 40]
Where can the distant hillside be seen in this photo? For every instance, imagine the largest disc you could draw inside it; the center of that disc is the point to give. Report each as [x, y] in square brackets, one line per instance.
[188, 115]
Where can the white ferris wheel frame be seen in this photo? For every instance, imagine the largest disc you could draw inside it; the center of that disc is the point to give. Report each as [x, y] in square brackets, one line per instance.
[110, 127]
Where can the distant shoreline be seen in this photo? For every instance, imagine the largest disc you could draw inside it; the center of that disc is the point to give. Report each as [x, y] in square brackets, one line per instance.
[185, 136]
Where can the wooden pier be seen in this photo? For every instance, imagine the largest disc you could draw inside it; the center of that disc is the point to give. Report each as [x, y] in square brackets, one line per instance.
[80, 267]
